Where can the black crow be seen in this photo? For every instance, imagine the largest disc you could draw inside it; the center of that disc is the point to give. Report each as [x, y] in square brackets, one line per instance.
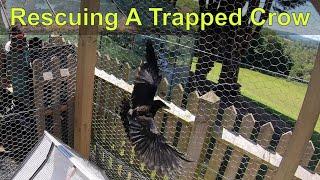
[138, 119]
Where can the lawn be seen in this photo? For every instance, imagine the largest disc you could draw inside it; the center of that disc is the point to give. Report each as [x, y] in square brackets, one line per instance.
[278, 94]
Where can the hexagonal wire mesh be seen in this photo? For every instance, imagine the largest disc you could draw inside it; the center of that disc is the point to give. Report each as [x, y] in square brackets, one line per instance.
[37, 94]
[235, 93]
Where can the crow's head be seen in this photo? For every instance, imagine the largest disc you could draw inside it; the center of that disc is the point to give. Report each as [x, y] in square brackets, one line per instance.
[158, 104]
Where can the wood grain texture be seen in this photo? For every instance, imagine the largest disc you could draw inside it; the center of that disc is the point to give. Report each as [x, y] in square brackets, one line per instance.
[304, 127]
[87, 58]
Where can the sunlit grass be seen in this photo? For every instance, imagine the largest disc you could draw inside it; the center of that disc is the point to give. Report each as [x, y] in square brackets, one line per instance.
[278, 94]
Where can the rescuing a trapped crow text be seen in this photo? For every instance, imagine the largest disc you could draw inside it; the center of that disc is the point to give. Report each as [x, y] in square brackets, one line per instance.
[158, 17]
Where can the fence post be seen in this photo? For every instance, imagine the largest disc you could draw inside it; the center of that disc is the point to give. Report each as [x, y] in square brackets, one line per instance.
[207, 110]
[316, 5]
[87, 59]
[303, 130]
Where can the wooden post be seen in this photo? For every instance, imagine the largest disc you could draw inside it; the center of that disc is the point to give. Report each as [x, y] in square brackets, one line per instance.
[303, 130]
[207, 109]
[316, 5]
[87, 58]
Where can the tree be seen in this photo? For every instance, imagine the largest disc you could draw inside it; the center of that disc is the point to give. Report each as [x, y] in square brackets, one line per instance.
[228, 44]
[268, 52]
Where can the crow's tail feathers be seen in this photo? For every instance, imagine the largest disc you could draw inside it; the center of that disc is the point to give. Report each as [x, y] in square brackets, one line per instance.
[153, 150]
[151, 56]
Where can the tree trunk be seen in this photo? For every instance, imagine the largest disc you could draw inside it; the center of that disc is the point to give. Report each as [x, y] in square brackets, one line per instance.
[226, 44]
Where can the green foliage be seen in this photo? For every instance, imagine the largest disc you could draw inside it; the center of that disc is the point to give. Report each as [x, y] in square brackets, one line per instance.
[303, 57]
[116, 51]
[279, 54]
[187, 6]
[268, 52]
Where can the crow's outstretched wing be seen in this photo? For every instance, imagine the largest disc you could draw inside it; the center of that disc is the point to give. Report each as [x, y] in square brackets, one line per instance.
[150, 146]
[138, 119]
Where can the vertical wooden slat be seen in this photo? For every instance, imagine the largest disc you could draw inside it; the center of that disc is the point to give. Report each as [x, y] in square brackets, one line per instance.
[308, 153]
[177, 95]
[126, 72]
[304, 127]
[246, 129]
[263, 139]
[265, 135]
[39, 95]
[101, 111]
[163, 88]
[192, 106]
[71, 64]
[283, 143]
[270, 174]
[233, 165]
[252, 170]
[215, 161]
[184, 136]
[106, 128]
[120, 144]
[115, 68]
[96, 122]
[228, 120]
[247, 126]
[208, 109]
[159, 118]
[176, 98]
[162, 92]
[56, 87]
[193, 102]
[107, 63]
[87, 59]
[171, 127]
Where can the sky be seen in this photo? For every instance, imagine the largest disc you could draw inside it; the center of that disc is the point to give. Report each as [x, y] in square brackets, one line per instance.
[312, 31]
[314, 37]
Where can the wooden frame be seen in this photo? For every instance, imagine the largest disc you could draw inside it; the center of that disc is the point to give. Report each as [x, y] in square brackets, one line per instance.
[84, 99]
[87, 59]
[304, 127]
[316, 5]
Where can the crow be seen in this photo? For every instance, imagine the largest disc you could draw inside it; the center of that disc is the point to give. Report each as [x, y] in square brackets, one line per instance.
[138, 115]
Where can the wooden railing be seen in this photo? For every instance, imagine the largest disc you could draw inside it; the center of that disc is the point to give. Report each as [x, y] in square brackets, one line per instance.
[191, 130]
[54, 76]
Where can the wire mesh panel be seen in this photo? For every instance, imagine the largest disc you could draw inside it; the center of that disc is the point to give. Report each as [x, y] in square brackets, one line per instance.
[234, 92]
[37, 94]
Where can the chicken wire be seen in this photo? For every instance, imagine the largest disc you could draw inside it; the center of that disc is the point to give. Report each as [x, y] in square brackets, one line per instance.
[251, 82]
[37, 92]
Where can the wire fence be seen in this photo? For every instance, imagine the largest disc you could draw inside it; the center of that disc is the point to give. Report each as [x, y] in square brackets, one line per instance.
[235, 94]
[233, 122]
[38, 85]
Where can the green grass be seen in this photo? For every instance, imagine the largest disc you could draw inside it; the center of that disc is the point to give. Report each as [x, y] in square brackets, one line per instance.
[277, 94]
[117, 52]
